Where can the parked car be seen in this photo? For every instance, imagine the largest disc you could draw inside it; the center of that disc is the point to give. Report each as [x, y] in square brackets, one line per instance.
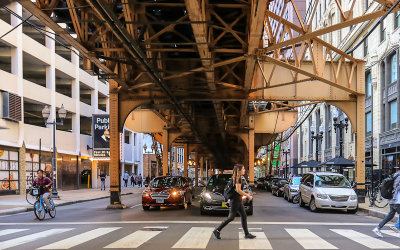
[167, 191]
[271, 182]
[291, 188]
[277, 187]
[326, 190]
[260, 183]
[191, 186]
[212, 198]
[266, 181]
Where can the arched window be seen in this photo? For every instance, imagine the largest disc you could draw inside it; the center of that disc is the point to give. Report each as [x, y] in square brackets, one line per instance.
[368, 85]
[393, 68]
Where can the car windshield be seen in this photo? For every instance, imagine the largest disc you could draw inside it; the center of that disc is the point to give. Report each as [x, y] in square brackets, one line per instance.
[218, 180]
[331, 181]
[296, 181]
[166, 182]
[283, 182]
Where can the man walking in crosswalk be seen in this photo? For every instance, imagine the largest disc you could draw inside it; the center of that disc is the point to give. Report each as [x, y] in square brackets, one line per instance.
[394, 203]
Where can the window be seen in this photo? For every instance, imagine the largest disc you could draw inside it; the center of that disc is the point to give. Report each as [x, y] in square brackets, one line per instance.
[366, 47]
[368, 119]
[383, 32]
[393, 68]
[368, 85]
[393, 114]
[301, 141]
[396, 19]
[134, 139]
[127, 137]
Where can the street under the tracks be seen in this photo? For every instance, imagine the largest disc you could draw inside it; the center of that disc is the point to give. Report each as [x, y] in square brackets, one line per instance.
[277, 223]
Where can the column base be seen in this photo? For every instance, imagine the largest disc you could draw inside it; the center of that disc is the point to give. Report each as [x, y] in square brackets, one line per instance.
[361, 195]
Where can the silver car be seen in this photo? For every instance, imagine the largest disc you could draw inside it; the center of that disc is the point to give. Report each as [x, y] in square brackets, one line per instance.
[291, 188]
[326, 190]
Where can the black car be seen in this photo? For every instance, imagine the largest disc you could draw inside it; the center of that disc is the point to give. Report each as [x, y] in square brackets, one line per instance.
[212, 198]
[260, 183]
[271, 182]
[278, 186]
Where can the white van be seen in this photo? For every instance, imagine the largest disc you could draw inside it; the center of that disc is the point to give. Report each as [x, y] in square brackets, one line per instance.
[326, 190]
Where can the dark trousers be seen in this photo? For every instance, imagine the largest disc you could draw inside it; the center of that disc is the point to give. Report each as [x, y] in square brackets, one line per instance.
[393, 209]
[236, 206]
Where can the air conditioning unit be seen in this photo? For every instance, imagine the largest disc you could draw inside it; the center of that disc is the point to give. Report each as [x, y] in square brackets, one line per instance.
[12, 107]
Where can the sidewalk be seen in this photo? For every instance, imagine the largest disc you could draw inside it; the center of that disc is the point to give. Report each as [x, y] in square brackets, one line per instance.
[11, 204]
[375, 211]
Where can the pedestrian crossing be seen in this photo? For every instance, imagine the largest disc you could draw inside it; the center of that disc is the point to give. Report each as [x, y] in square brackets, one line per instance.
[194, 238]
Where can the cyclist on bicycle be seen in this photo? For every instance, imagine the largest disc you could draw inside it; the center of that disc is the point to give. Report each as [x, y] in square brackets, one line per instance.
[45, 183]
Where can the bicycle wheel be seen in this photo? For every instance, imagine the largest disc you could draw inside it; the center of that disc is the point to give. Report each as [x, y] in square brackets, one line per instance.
[379, 201]
[38, 208]
[52, 210]
[30, 198]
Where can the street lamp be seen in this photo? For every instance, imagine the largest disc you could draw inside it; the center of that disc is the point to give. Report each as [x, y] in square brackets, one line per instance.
[62, 113]
[340, 125]
[286, 152]
[317, 137]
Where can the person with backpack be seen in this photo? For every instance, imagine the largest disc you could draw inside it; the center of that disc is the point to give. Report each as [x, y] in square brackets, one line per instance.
[390, 189]
[234, 193]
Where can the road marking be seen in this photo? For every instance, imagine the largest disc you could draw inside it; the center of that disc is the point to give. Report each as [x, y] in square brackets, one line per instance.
[187, 222]
[134, 240]
[364, 239]
[79, 239]
[11, 231]
[391, 233]
[135, 205]
[196, 237]
[156, 227]
[260, 242]
[251, 228]
[309, 240]
[32, 237]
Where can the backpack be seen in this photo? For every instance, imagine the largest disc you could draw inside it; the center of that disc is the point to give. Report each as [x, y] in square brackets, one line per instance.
[387, 187]
[229, 190]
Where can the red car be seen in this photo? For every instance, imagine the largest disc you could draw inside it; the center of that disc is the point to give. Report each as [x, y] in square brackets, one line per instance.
[167, 191]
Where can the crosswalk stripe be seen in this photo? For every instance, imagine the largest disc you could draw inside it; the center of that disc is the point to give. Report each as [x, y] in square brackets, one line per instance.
[10, 231]
[79, 239]
[260, 242]
[391, 233]
[364, 239]
[32, 237]
[196, 237]
[134, 240]
[308, 239]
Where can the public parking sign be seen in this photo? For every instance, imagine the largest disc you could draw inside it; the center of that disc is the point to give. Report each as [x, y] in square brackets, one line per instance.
[101, 135]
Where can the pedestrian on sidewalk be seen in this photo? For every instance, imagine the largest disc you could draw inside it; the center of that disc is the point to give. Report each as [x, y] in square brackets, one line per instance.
[103, 181]
[133, 180]
[140, 180]
[126, 178]
[394, 203]
[235, 203]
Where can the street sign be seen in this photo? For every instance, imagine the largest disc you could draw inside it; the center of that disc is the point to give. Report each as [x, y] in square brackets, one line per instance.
[101, 136]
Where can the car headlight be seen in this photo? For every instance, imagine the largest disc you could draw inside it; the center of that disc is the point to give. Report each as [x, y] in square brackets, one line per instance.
[208, 196]
[353, 197]
[293, 190]
[322, 196]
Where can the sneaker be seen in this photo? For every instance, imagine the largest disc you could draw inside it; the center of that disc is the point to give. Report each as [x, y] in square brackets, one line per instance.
[217, 234]
[395, 229]
[378, 233]
[249, 236]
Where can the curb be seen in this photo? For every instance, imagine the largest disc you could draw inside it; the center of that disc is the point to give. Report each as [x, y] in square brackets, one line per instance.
[27, 209]
[376, 213]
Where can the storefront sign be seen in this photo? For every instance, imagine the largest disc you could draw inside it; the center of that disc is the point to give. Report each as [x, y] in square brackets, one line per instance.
[101, 135]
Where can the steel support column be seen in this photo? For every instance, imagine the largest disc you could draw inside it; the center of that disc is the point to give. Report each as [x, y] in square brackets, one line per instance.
[115, 180]
[360, 148]
[251, 157]
[196, 169]
[201, 169]
[165, 151]
[185, 160]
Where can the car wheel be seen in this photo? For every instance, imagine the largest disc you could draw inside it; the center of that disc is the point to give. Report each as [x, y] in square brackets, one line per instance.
[284, 196]
[313, 206]
[301, 202]
[289, 199]
[352, 211]
[146, 208]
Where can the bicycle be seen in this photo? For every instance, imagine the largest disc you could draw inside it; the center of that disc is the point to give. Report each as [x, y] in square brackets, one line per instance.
[30, 198]
[39, 207]
[375, 197]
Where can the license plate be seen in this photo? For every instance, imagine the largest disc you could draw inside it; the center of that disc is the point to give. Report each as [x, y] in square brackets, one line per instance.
[224, 204]
[160, 200]
[35, 192]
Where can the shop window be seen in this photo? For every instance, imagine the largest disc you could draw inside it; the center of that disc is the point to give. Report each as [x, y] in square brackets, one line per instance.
[9, 171]
[368, 128]
[368, 85]
[393, 68]
[393, 114]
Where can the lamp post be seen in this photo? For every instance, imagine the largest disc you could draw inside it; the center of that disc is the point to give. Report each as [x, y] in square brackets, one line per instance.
[340, 125]
[317, 137]
[62, 113]
[286, 152]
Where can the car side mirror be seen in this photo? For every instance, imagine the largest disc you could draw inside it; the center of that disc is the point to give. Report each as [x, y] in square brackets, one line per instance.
[146, 185]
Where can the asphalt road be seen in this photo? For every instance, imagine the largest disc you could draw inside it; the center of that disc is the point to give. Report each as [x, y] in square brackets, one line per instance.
[277, 224]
